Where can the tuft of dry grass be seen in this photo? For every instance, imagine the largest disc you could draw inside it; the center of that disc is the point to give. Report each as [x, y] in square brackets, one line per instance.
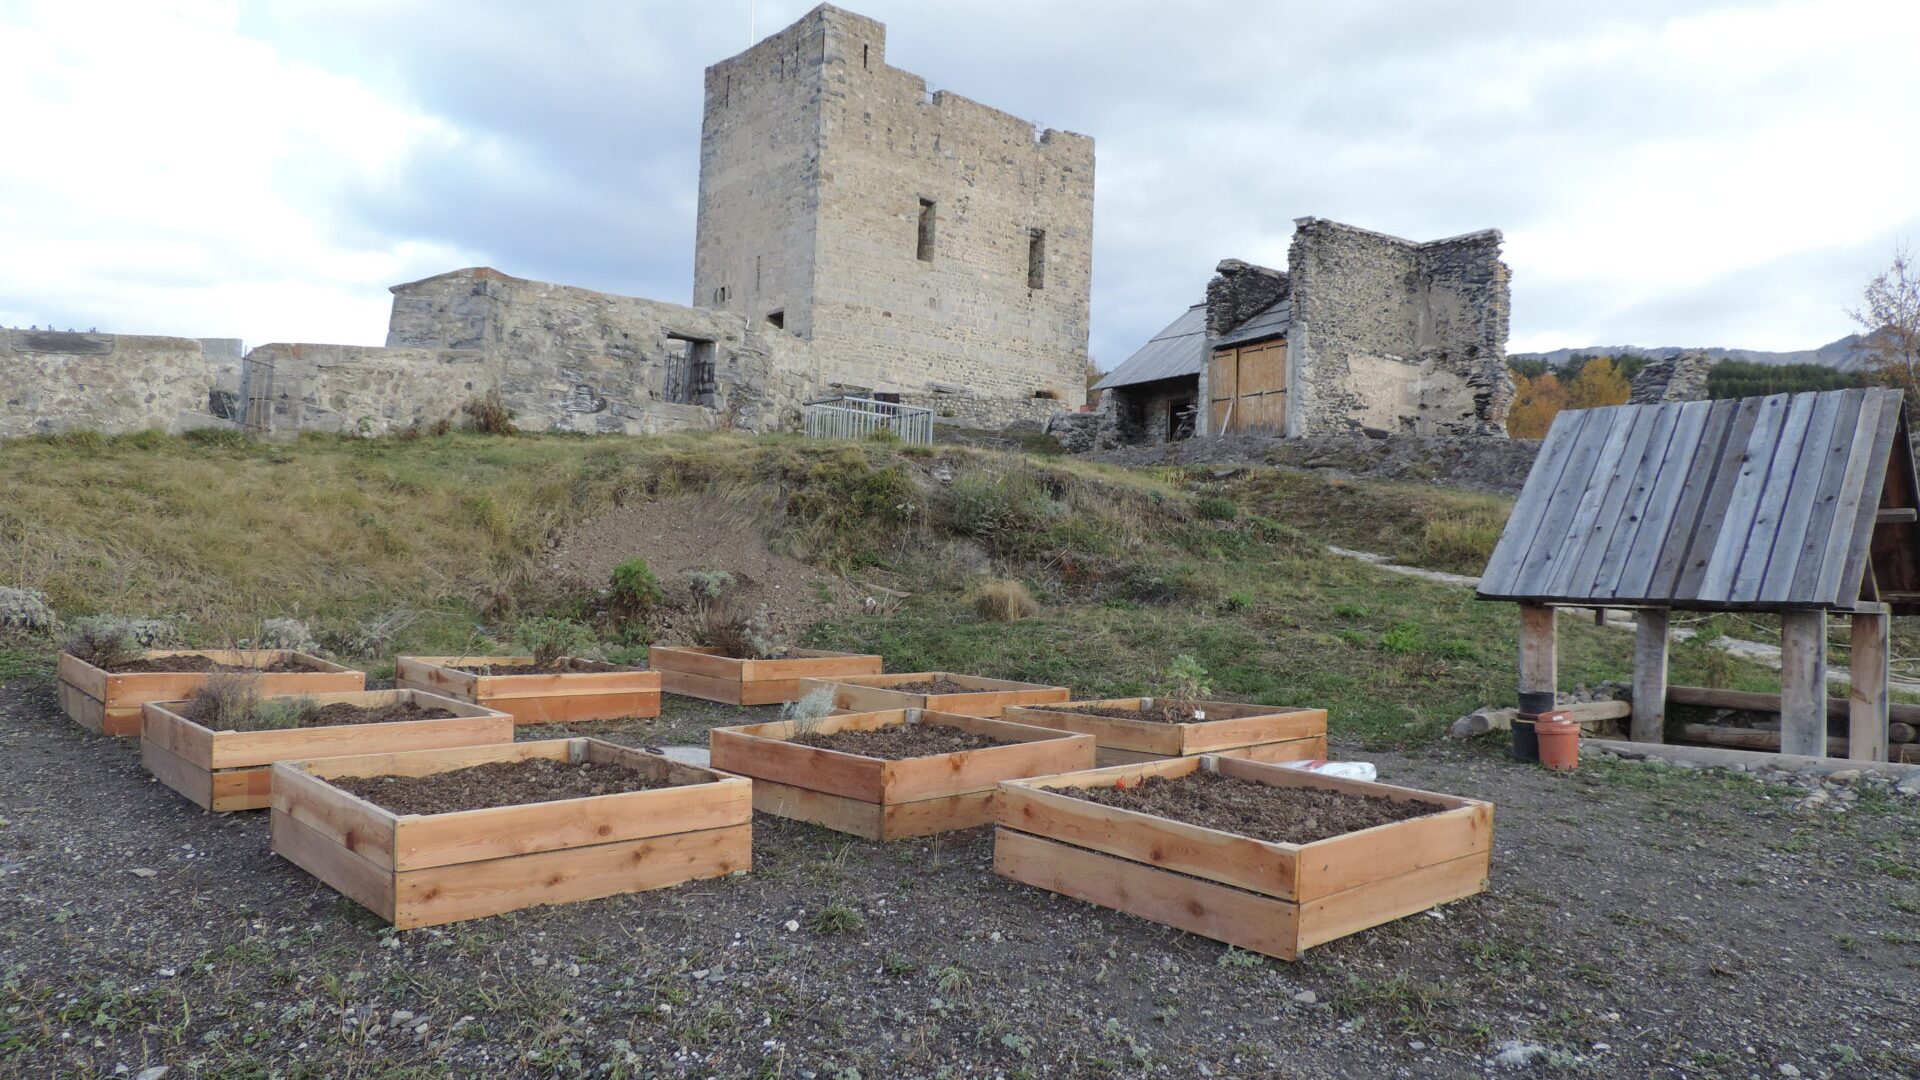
[1004, 600]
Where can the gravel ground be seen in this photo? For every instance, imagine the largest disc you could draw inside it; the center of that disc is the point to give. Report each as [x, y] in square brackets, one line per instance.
[1641, 922]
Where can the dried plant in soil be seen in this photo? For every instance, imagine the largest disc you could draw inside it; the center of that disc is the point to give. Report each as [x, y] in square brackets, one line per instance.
[1004, 600]
[232, 702]
[548, 640]
[489, 415]
[103, 644]
[742, 637]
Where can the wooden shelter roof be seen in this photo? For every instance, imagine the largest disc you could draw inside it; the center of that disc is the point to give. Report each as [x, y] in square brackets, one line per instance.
[1789, 501]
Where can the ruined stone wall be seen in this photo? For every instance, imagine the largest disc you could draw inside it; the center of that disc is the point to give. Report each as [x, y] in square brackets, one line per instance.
[877, 315]
[1394, 336]
[1680, 377]
[979, 411]
[1240, 290]
[562, 358]
[760, 166]
[53, 381]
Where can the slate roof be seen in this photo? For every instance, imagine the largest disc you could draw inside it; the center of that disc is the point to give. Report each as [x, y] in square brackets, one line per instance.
[1272, 322]
[1765, 502]
[1178, 350]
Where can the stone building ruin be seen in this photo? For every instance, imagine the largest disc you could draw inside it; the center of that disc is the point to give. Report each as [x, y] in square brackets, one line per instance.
[1363, 333]
[855, 234]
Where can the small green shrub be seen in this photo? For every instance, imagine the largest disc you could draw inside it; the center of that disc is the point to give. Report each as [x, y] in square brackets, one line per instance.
[1240, 600]
[1350, 611]
[1186, 680]
[1004, 600]
[743, 637]
[231, 701]
[836, 918]
[633, 592]
[708, 584]
[1216, 508]
[550, 639]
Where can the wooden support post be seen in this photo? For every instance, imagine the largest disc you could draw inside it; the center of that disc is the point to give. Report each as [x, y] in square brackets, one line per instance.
[1803, 683]
[1539, 654]
[1868, 705]
[1650, 675]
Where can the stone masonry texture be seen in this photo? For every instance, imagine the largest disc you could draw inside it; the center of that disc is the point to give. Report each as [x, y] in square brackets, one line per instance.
[819, 162]
[1395, 336]
[53, 381]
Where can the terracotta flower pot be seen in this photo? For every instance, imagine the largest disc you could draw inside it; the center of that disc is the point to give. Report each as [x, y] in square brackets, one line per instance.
[1559, 737]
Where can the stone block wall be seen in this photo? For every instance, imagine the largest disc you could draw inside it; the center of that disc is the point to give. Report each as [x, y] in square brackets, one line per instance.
[52, 381]
[562, 358]
[876, 314]
[1396, 336]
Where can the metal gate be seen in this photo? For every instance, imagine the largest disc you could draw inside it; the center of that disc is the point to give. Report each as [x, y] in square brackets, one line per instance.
[847, 417]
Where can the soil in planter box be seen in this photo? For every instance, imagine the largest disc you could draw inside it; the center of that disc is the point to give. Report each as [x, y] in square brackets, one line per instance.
[1283, 815]
[897, 743]
[498, 783]
[558, 667]
[338, 713]
[197, 664]
[1167, 712]
[932, 686]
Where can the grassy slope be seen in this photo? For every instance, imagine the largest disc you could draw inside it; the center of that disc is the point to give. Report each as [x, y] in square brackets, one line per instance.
[388, 546]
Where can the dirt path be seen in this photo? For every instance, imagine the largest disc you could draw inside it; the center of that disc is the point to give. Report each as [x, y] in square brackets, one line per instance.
[1640, 923]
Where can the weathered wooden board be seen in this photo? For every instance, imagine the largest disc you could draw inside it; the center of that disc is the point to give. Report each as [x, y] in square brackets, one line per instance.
[230, 770]
[109, 703]
[692, 671]
[605, 693]
[880, 799]
[984, 697]
[424, 870]
[1228, 726]
[1276, 898]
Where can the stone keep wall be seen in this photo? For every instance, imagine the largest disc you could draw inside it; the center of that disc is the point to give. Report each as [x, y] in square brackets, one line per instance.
[562, 358]
[53, 381]
[1396, 336]
[760, 180]
[877, 315]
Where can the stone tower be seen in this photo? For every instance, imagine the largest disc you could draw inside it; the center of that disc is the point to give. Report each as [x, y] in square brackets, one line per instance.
[925, 244]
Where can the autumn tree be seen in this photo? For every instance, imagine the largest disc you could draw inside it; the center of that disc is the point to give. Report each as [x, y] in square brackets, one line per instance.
[1093, 375]
[1536, 401]
[1599, 383]
[1890, 315]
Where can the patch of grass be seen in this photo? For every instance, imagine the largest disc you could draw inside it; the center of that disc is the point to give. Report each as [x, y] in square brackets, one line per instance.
[836, 918]
[1004, 600]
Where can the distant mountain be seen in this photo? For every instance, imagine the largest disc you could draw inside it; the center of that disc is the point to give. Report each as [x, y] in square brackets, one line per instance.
[1846, 354]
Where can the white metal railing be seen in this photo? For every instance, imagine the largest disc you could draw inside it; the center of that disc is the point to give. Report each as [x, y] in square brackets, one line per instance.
[857, 417]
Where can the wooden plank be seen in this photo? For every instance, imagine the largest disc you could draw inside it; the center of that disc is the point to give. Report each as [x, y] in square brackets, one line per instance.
[1766, 445]
[574, 708]
[1852, 565]
[178, 773]
[497, 832]
[1040, 752]
[1638, 460]
[1656, 563]
[704, 687]
[243, 789]
[1240, 861]
[1795, 569]
[1342, 863]
[1229, 724]
[239, 749]
[1311, 749]
[1867, 698]
[86, 711]
[1539, 651]
[1803, 682]
[986, 697]
[1544, 480]
[1821, 462]
[739, 751]
[82, 676]
[1659, 475]
[1891, 564]
[1562, 546]
[1650, 675]
[1837, 707]
[1795, 465]
[1387, 899]
[1854, 488]
[354, 825]
[346, 873]
[445, 894]
[873, 821]
[1703, 531]
[1249, 921]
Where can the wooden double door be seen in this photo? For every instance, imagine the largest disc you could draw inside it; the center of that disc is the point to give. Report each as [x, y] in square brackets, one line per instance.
[1247, 388]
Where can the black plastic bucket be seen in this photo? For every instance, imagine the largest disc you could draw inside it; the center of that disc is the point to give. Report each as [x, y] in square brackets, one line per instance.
[1526, 743]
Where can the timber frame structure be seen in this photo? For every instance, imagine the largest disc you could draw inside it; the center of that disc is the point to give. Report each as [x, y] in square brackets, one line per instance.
[1800, 505]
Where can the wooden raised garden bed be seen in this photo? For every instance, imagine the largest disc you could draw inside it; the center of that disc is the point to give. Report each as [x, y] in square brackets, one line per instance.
[108, 702]
[431, 868]
[1259, 732]
[969, 694]
[590, 690]
[232, 770]
[693, 671]
[1269, 897]
[882, 799]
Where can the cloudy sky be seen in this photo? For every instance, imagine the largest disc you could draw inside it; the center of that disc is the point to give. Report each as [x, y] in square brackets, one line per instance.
[1666, 172]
